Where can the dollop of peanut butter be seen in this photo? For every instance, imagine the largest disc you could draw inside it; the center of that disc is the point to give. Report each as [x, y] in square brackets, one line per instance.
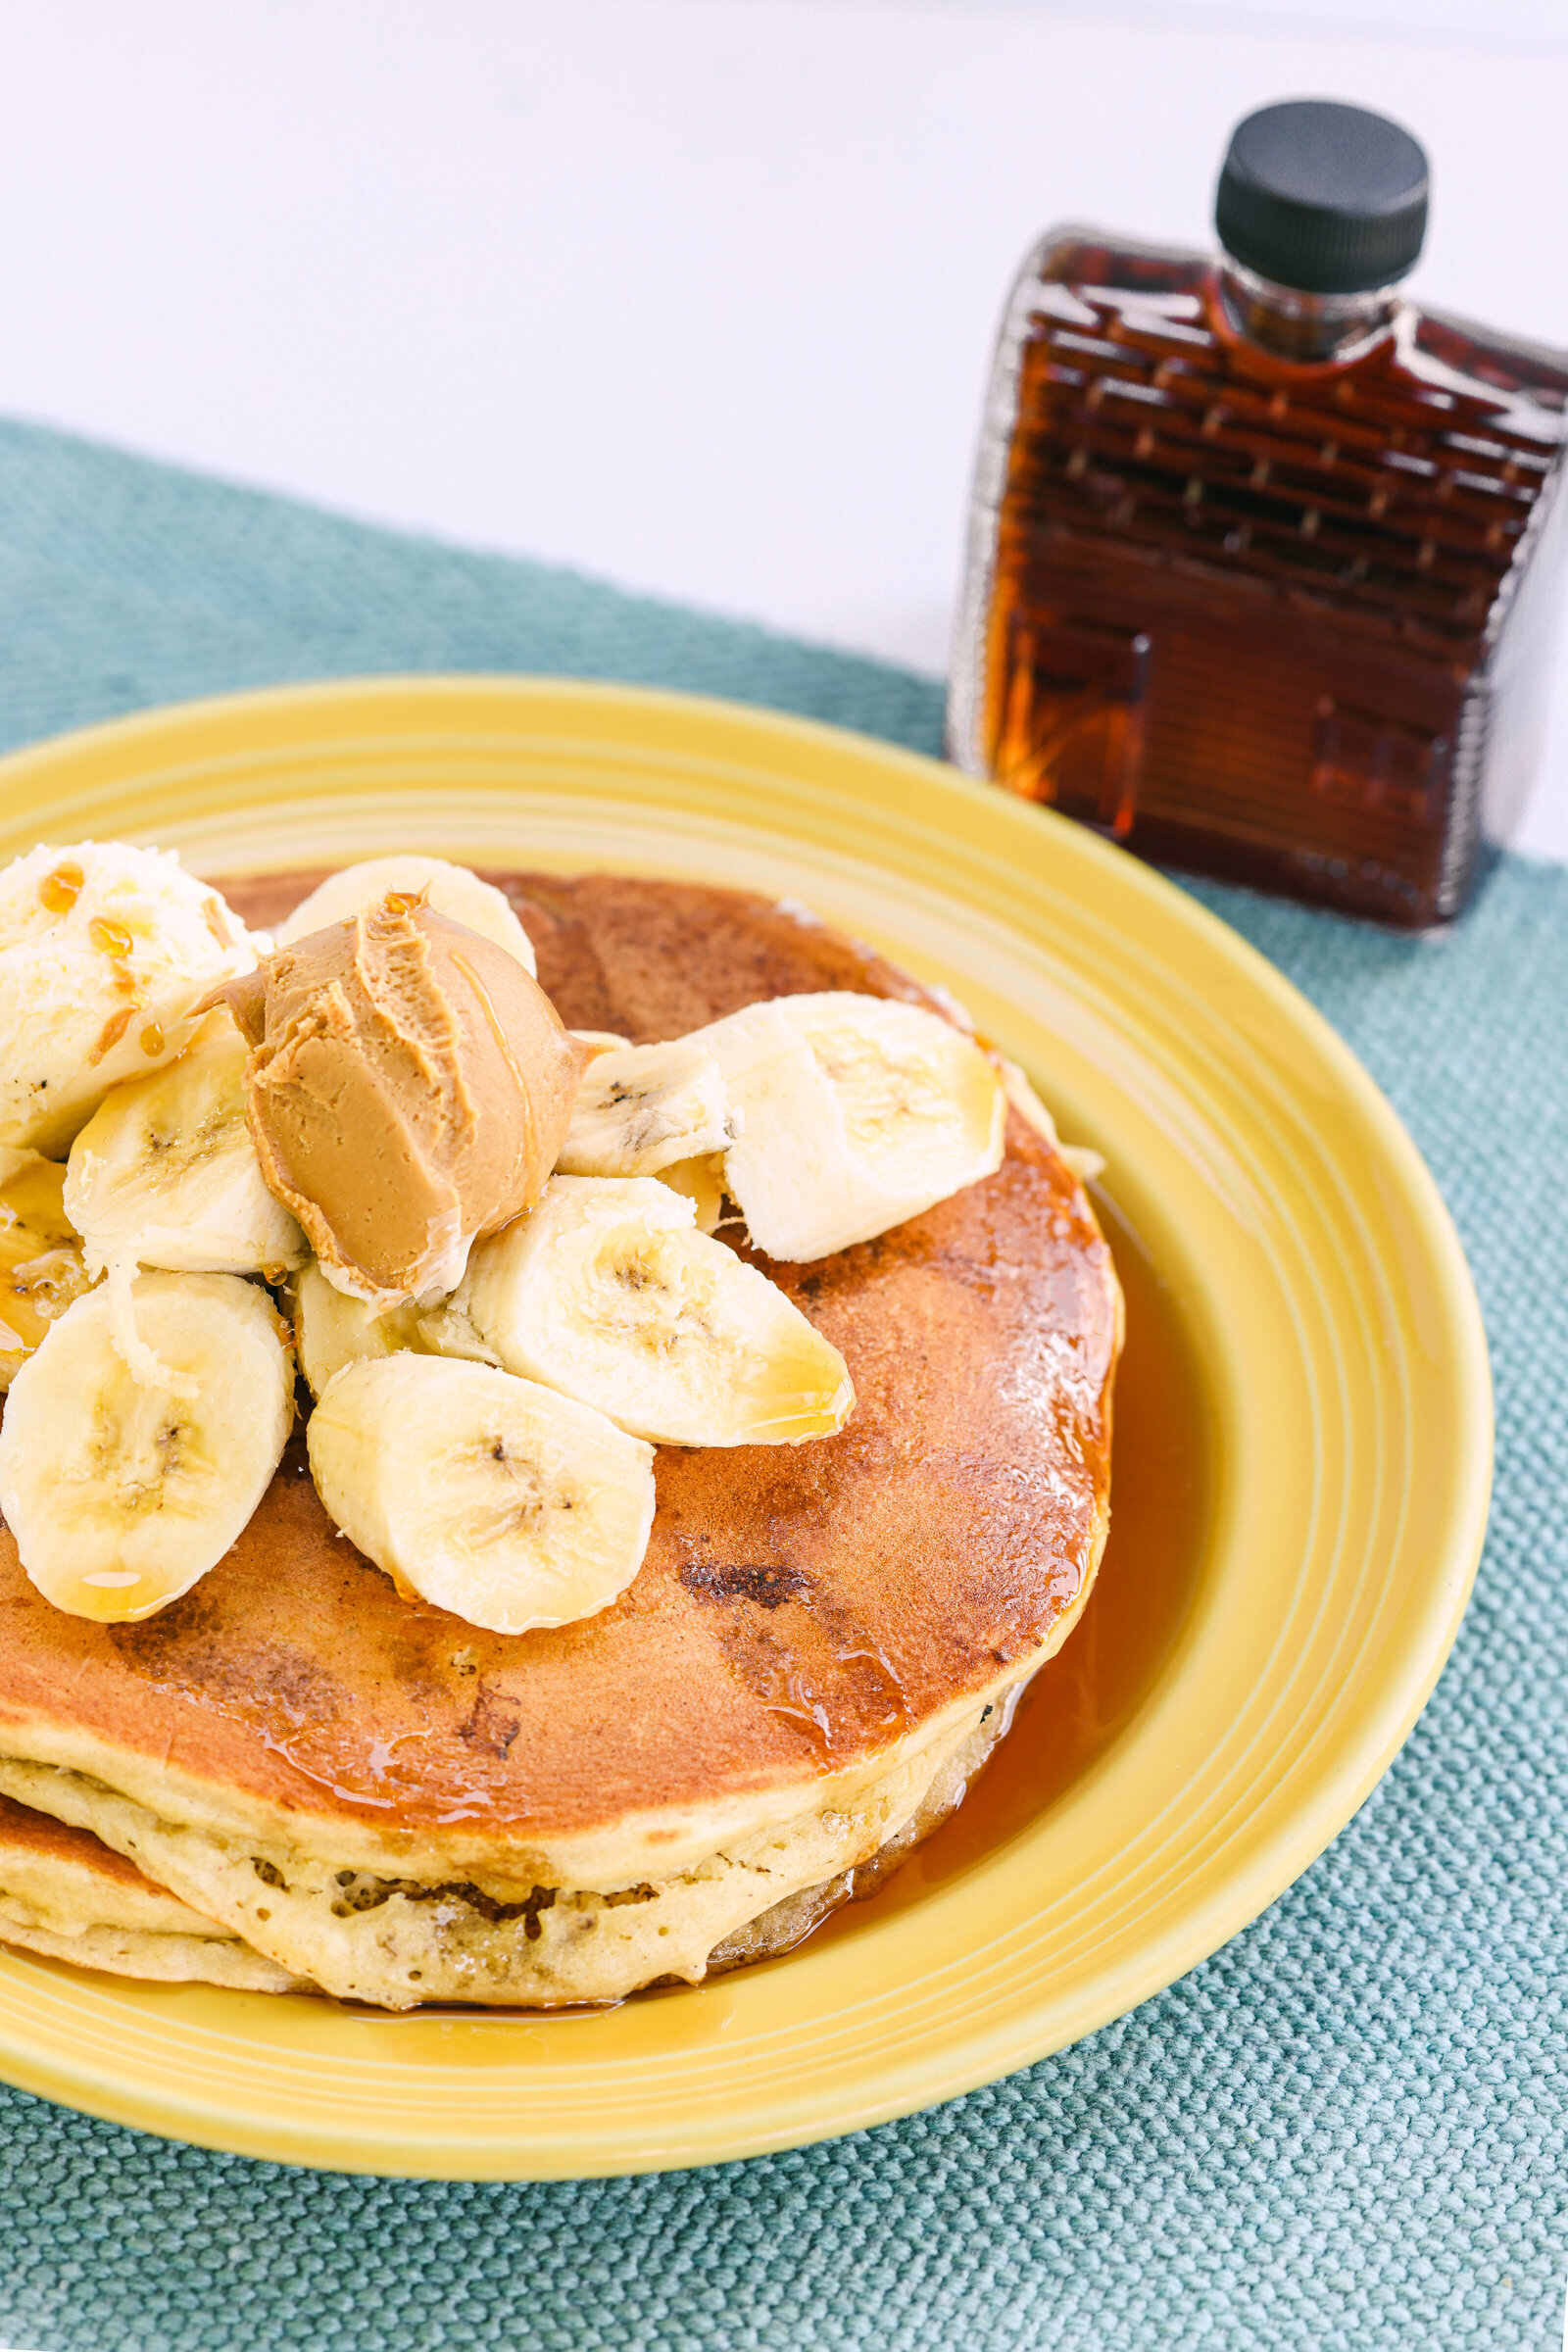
[409, 1088]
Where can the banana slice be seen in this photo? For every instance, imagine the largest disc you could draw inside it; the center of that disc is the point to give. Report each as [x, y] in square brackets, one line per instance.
[32, 1200]
[856, 1113]
[332, 1330]
[640, 1108]
[702, 1182]
[452, 889]
[1084, 1160]
[491, 1497]
[122, 1496]
[165, 1172]
[607, 1290]
[447, 1331]
[41, 1269]
[105, 951]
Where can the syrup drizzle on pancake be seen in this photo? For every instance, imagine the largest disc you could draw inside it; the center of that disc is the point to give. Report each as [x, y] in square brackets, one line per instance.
[794, 1615]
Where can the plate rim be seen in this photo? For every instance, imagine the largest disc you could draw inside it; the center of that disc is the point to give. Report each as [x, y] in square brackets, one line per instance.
[1315, 1815]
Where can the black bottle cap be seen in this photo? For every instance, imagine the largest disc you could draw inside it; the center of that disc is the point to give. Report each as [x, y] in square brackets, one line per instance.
[1326, 198]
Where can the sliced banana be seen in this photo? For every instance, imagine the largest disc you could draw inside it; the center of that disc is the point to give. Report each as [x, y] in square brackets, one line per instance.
[332, 1330]
[1084, 1160]
[41, 1269]
[447, 1331]
[14, 1158]
[165, 1172]
[120, 1495]
[856, 1113]
[607, 1290]
[500, 1500]
[702, 1182]
[452, 889]
[105, 951]
[641, 1109]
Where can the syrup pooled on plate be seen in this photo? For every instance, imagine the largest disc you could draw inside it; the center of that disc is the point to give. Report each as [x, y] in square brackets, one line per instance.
[1086, 1695]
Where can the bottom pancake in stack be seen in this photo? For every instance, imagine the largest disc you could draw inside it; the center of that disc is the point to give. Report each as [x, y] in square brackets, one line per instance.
[346, 1789]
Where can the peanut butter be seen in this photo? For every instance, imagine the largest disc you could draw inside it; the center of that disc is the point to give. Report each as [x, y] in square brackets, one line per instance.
[410, 1087]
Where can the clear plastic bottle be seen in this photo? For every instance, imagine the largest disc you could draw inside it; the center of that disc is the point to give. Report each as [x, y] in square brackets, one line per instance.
[1264, 559]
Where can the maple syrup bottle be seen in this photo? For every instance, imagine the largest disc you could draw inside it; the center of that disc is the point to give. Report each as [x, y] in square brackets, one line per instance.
[1262, 557]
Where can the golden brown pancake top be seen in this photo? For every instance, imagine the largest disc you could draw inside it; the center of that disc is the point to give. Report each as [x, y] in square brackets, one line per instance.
[800, 1607]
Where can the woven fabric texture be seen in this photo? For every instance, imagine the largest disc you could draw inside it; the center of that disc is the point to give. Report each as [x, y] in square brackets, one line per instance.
[1343, 2132]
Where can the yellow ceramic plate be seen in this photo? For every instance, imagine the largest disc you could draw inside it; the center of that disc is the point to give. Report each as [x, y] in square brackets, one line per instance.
[1303, 1459]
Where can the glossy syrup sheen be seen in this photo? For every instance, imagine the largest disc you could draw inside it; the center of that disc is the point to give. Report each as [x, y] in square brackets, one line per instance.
[1084, 1697]
[1245, 612]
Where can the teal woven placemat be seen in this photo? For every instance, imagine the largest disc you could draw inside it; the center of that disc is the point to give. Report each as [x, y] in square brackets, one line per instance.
[1344, 2131]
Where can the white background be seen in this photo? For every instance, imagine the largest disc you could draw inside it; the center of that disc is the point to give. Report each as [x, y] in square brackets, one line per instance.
[694, 294]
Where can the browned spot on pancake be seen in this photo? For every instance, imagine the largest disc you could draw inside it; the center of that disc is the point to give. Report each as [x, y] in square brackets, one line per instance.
[493, 1724]
[769, 1587]
[271, 1678]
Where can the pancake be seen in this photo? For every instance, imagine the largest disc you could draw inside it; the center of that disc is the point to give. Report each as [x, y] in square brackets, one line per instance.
[64, 1893]
[819, 1650]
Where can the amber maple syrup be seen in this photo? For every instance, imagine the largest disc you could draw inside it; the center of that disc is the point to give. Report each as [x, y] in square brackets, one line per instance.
[1084, 1698]
[1261, 582]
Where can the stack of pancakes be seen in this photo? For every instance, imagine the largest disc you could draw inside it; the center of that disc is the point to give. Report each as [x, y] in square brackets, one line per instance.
[292, 1777]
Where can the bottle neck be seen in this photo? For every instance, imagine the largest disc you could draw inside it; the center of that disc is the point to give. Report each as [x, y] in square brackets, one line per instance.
[1302, 326]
